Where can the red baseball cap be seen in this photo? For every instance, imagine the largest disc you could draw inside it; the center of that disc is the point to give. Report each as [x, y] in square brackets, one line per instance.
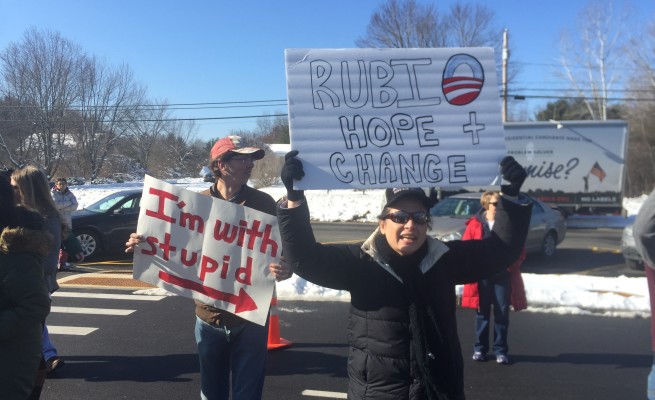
[233, 143]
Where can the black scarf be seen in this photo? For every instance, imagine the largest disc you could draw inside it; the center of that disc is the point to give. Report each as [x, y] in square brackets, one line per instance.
[427, 341]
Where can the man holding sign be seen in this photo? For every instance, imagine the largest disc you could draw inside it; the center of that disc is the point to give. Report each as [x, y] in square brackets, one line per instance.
[231, 347]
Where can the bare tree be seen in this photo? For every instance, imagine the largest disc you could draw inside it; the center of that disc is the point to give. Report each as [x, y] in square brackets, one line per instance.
[40, 72]
[273, 129]
[642, 54]
[592, 59]
[181, 153]
[641, 113]
[108, 98]
[470, 25]
[15, 133]
[148, 124]
[404, 24]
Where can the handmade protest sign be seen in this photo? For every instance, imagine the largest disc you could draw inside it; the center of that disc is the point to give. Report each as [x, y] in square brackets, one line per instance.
[376, 118]
[207, 249]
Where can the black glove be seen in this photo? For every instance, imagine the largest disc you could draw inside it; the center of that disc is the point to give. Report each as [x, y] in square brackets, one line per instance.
[292, 169]
[513, 173]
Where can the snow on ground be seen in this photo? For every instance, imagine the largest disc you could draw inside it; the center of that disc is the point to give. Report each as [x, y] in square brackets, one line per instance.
[564, 294]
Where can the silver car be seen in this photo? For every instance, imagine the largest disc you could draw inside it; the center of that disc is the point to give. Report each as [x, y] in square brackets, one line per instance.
[449, 216]
[629, 250]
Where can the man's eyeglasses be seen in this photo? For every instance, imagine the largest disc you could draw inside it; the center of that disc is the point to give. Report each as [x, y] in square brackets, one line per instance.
[402, 217]
[495, 204]
[243, 160]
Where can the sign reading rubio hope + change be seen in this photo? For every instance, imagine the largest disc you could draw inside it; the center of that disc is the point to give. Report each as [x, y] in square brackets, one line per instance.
[376, 118]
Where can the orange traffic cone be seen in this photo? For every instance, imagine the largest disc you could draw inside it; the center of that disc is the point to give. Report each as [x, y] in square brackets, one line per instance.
[274, 339]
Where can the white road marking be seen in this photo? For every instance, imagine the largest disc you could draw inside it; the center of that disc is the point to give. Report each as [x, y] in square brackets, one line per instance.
[321, 393]
[107, 296]
[70, 330]
[86, 310]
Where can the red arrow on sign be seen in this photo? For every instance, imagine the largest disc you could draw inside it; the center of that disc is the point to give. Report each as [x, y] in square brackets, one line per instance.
[243, 301]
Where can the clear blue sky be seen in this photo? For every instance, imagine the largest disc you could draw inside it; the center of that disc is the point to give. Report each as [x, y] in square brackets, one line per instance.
[214, 51]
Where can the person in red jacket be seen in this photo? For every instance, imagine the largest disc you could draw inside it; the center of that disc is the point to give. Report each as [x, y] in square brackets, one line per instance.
[499, 290]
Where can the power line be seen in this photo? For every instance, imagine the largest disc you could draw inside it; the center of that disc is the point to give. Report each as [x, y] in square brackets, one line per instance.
[164, 119]
[173, 106]
[519, 96]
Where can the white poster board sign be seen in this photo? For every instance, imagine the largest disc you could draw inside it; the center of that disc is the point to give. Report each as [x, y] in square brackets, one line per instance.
[377, 118]
[207, 249]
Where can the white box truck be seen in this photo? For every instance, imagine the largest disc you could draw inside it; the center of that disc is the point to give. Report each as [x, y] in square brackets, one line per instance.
[576, 165]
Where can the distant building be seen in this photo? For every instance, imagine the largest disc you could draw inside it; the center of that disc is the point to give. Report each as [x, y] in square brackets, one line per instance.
[279, 149]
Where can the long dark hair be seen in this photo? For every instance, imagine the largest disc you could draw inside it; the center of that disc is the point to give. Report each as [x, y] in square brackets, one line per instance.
[34, 190]
[8, 215]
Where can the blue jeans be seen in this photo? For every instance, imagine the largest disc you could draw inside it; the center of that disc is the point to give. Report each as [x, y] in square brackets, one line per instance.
[494, 291]
[240, 350]
[49, 350]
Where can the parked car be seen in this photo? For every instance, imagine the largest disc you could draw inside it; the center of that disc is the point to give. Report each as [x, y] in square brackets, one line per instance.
[105, 226]
[75, 180]
[207, 174]
[629, 250]
[449, 216]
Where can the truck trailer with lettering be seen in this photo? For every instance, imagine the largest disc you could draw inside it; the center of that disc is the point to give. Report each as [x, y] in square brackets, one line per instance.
[576, 165]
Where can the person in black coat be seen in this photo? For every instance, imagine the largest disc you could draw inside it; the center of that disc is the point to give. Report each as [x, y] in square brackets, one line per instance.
[24, 298]
[402, 328]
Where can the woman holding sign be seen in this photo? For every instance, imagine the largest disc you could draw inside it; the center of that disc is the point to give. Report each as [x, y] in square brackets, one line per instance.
[402, 330]
[232, 350]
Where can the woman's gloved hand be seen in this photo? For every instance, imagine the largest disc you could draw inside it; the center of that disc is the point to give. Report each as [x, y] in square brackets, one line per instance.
[513, 173]
[292, 170]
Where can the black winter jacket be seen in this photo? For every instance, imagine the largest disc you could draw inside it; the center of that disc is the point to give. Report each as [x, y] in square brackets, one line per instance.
[24, 305]
[381, 365]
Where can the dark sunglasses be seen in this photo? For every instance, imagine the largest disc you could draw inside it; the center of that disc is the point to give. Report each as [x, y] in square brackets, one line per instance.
[402, 217]
[243, 160]
[495, 204]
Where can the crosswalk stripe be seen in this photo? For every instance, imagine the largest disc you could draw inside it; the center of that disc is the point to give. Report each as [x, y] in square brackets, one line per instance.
[70, 330]
[107, 296]
[323, 393]
[88, 310]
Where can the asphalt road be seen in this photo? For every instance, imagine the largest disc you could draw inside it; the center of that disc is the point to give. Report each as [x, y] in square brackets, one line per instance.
[150, 353]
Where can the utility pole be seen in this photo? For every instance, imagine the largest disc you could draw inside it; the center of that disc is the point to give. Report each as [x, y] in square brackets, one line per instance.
[505, 56]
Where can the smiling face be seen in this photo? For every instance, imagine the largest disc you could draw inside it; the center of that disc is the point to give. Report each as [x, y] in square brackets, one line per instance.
[405, 238]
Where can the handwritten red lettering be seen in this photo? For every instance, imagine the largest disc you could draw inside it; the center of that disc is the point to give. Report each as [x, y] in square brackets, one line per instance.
[207, 265]
[243, 274]
[166, 246]
[224, 235]
[192, 221]
[151, 241]
[228, 233]
[186, 261]
[243, 225]
[159, 213]
[253, 233]
[268, 242]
